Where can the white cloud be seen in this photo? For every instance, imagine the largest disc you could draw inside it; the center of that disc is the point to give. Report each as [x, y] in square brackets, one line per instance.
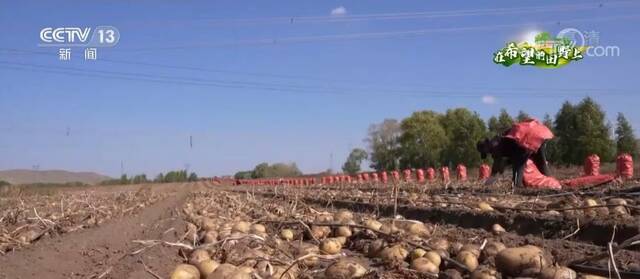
[488, 99]
[339, 11]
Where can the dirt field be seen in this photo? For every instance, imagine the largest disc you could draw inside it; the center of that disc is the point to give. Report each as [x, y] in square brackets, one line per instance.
[145, 231]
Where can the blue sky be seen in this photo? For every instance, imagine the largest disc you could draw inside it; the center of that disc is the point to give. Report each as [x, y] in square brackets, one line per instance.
[269, 88]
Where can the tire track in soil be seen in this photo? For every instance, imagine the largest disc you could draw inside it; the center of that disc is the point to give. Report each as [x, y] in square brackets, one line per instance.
[105, 250]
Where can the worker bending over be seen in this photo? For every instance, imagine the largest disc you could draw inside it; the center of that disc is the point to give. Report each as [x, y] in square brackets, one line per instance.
[523, 141]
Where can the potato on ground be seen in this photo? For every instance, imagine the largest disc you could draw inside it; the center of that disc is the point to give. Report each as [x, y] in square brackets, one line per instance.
[345, 269]
[185, 271]
[557, 272]
[229, 271]
[525, 261]
[330, 246]
[394, 254]
[424, 265]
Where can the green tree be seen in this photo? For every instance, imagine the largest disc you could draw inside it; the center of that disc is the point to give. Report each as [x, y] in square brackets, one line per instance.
[463, 129]
[260, 170]
[625, 139]
[498, 125]
[139, 179]
[264, 170]
[382, 140]
[522, 116]
[422, 140]
[552, 150]
[192, 177]
[353, 162]
[594, 137]
[582, 130]
[566, 134]
[124, 179]
[243, 175]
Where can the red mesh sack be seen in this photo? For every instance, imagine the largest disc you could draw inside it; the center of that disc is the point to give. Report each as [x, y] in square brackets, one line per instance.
[365, 176]
[383, 177]
[530, 134]
[431, 174]
[484, 171]
[461, 171]
[591, 180]
[374, 177]
[533, 178]
[420, 175]
[624, 166]
[444, 172]
[592, 165]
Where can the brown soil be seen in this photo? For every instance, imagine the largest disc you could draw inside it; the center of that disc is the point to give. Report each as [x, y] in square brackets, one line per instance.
[105, 251]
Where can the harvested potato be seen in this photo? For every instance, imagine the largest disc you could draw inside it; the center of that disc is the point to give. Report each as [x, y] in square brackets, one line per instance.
[525, 261]
[434, 257]
[590, 211]
[418, 229]
[394, 254]
[417, 253]
[286, 234]
[198, 255]
[341, 239]
[497, 229]
[440, 244]
[557, 272]
[424, 265]
[483, 206]
[483, 272]
[372, 224]
[343, 231]
[324, 218]
[389, 228]
[207, 267]
[473, 248]
[345, 269]
[320, 232]
[228, 271]
[468, 259]
[185, 271]
[241, 227]
[343, 216]
[330, 246]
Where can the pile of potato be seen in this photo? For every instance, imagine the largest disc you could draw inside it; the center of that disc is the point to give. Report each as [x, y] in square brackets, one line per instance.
[231, 240]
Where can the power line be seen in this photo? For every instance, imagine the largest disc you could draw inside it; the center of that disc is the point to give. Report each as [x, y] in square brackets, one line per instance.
[338, 91]
[365, 36]
[370, 84]
[402, 15]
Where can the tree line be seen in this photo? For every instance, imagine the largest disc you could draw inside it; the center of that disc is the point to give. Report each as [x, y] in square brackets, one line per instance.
[431, 139]
[169, 177]
[264, 170]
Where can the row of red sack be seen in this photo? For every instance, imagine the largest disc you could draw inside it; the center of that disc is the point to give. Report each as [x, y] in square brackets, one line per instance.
[408, 175]
[591, 176]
